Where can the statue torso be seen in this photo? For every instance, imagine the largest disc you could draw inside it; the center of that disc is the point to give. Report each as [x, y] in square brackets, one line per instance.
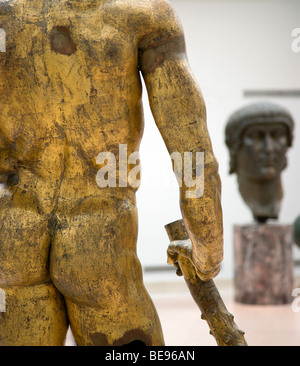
[69, 89]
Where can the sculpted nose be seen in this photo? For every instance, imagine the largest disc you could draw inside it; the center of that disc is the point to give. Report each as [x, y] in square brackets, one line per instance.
[268, 143]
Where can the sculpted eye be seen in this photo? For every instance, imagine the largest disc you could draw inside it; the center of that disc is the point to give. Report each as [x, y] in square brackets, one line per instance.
[278, 133]
[254, 135]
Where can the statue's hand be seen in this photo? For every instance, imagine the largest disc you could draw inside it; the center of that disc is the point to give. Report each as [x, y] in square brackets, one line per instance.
[181, 256]
[176, 249]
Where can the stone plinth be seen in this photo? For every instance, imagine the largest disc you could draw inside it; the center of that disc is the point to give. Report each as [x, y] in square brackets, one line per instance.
[263, 260]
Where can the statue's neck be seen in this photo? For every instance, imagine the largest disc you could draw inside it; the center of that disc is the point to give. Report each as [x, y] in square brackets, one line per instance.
[263, 197]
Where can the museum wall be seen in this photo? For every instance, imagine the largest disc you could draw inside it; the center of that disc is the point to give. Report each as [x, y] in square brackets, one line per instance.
[240, 52]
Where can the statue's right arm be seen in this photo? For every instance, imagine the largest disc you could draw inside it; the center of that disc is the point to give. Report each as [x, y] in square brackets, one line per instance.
[179, 112]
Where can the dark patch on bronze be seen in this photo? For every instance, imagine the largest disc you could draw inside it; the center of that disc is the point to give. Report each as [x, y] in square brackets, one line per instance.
[112, 51]
[99, 339]
[153, 56]
[93, 95]
[134, 335]
[135, 344]
[93, 92]
[61, 41]
[52, 224]
[12, 179]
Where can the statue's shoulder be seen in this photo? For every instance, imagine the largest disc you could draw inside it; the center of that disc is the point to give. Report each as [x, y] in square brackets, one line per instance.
[139, 11]
[151, 5]
[138, 4]
[148, 18]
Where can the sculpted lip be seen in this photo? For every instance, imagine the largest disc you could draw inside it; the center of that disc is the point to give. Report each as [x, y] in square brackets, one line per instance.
[267, 161]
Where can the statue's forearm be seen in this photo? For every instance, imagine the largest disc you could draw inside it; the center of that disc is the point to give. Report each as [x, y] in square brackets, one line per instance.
[203, 219]
[183, 127]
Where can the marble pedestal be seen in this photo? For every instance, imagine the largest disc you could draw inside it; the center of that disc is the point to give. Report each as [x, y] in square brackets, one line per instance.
[263, 261]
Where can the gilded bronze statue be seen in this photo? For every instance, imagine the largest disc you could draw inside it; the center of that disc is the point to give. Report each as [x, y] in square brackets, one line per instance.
[258, 137]
[70, 89]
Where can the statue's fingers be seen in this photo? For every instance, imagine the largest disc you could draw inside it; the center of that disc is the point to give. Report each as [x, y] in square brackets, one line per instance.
[178, 272]
[172, 260]
[181, 247]
[172, 257]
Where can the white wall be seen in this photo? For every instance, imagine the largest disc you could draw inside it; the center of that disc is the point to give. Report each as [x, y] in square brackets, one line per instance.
[232, 46]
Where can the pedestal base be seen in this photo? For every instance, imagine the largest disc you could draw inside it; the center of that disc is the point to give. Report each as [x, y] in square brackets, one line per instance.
[263, 257]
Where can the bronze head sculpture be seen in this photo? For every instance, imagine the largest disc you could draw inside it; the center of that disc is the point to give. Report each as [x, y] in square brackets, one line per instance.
[258, 137]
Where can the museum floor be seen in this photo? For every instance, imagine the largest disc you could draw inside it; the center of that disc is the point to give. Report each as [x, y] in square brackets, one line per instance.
[275, 325]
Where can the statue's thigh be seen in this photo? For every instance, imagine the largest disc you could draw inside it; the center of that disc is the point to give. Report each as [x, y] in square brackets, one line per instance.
[33, 316]
[34, 311]
[93, 263]
[116, 326]
[24, 246]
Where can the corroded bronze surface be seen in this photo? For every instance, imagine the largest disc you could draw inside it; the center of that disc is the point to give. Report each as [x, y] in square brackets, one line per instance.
[70, 89]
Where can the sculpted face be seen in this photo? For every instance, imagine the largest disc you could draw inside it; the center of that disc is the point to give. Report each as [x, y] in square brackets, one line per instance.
[258, 137]
[262, 153]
